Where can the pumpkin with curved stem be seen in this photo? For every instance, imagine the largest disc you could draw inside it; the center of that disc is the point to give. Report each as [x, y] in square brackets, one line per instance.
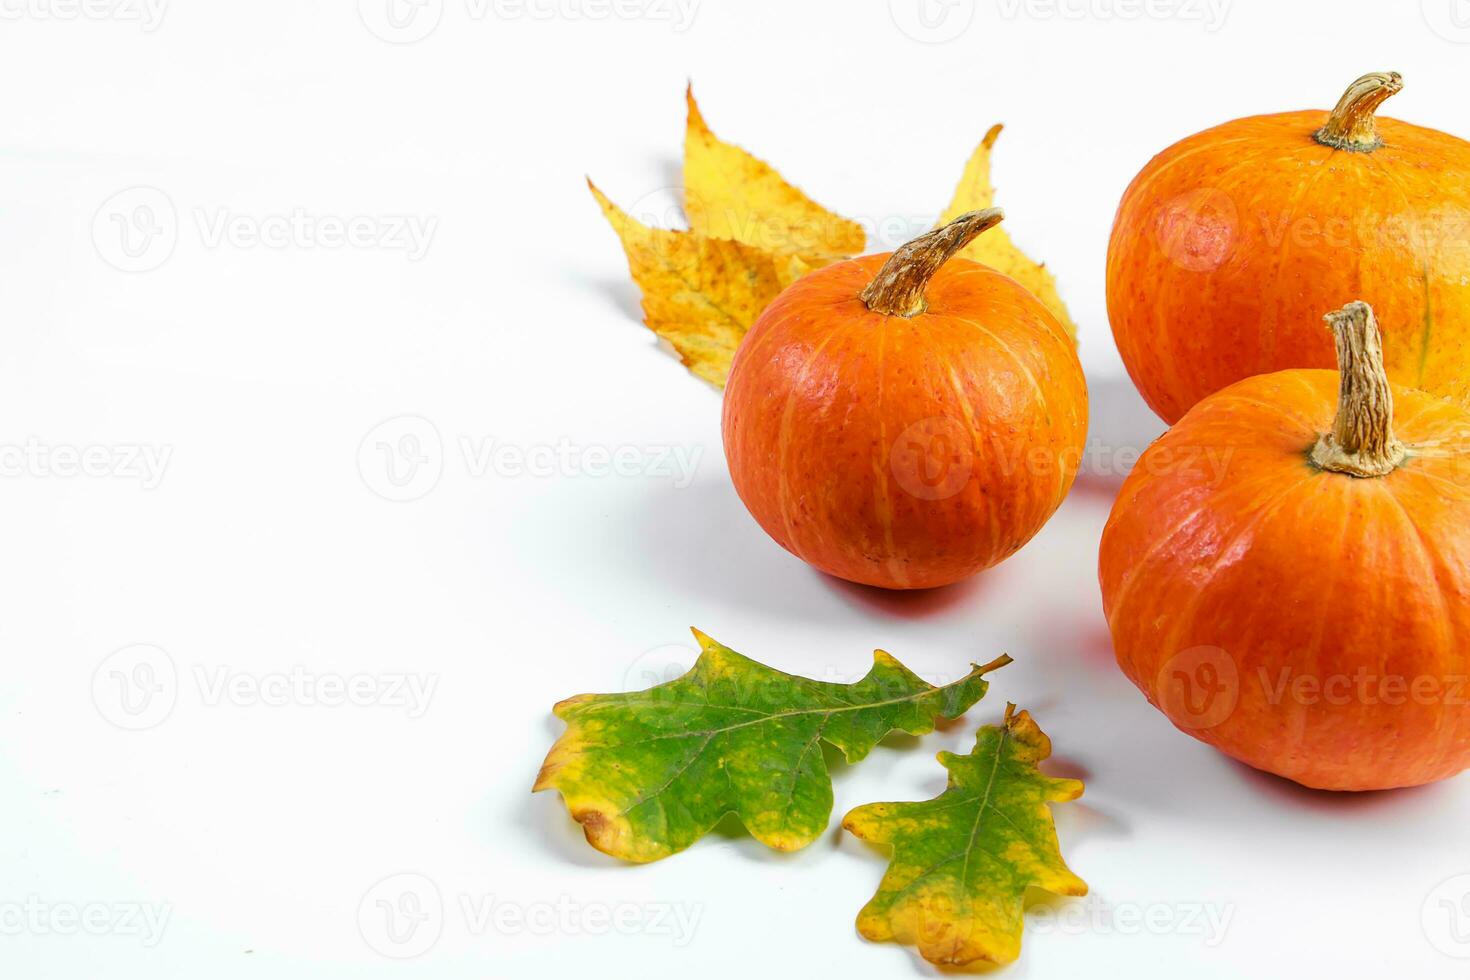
[1306, 610]
[905, 420]
[1229, 244]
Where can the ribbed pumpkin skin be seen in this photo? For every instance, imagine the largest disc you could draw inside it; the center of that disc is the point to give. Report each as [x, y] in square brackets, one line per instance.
[1280, 566]
[1229, 244]
[900, 452]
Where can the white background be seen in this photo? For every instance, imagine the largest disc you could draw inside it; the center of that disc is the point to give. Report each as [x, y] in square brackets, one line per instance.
[261, 821]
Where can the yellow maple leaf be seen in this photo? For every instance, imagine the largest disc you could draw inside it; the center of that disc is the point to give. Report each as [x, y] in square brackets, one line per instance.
[995, 249]
[700, 293]
[730, 194]
[751, 234]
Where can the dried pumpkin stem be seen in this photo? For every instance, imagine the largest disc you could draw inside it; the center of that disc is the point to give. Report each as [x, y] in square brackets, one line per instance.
[1352, 125]
[898, 288]
[1361, 442]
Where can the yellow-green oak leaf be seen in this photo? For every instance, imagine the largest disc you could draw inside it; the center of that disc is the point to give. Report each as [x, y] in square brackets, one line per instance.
[962, 862]
[648, 773]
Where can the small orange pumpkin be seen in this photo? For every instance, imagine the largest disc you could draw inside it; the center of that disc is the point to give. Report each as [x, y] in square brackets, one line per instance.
[1229, 244]
[1294, 588]
[905, 420]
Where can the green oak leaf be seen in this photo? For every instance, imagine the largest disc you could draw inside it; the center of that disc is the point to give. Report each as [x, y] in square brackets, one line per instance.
[648, 773]
[962, 861]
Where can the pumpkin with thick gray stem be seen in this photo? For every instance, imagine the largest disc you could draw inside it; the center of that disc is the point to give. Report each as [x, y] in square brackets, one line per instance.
[1305, 607]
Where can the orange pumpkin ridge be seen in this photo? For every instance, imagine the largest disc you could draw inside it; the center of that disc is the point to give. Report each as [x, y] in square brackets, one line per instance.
[905, 420]
[1305, 608]
[1229, 244]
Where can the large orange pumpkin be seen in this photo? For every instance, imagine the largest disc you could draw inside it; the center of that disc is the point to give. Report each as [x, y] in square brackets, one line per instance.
[905, 420]
[1229, 244]
[1292, 585]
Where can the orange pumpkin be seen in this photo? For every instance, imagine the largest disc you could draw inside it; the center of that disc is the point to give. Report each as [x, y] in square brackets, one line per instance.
[905, 420]
[1229, 244]
[1293, 587]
